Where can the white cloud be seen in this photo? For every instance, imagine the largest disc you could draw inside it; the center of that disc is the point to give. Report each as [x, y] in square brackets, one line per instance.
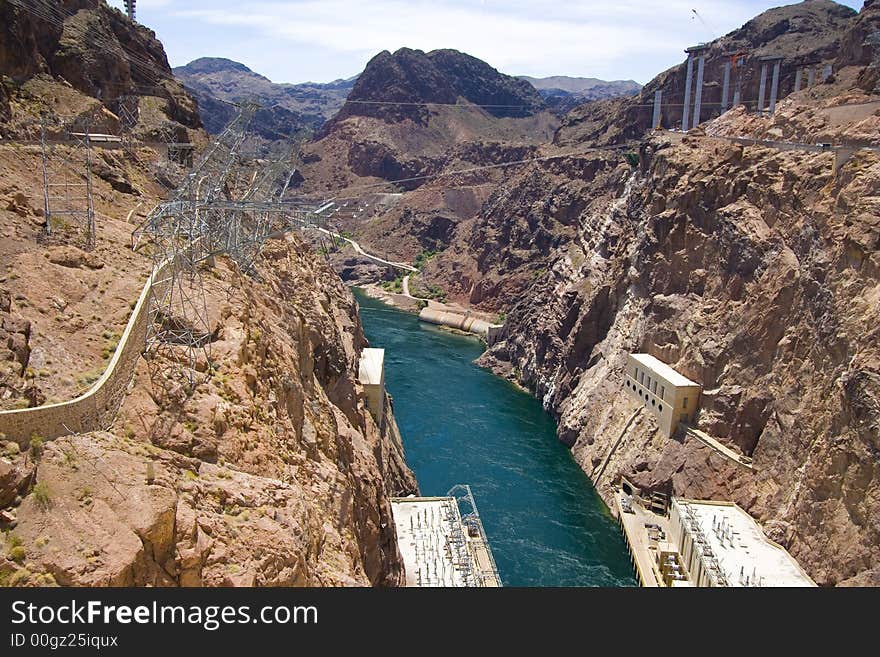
[590, 38]
[610, 39]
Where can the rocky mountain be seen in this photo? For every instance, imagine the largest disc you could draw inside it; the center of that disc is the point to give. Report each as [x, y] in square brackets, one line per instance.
[410, 116]
[395, 86]
[288, 109]
[271, 471]
[807, 32]
[74, 56]
[563, 93]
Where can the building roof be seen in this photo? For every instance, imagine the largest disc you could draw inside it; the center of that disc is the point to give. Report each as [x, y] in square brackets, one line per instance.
[371, 366]
[662, 369]
[741, 548]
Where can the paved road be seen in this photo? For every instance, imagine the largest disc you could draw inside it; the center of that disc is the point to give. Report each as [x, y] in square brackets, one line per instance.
[369, 256]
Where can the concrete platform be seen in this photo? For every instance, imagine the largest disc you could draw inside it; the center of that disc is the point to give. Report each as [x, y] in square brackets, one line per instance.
[436, 547]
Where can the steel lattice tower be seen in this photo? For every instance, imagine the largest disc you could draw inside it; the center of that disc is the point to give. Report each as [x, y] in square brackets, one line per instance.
[68, 209]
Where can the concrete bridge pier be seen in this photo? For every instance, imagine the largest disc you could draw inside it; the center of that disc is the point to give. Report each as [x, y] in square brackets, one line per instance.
[694, 53]
[776, 60]
[658, 98]
[725, 86]
[685, 112]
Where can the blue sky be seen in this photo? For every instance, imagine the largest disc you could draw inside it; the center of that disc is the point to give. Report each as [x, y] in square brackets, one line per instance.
[321, 40]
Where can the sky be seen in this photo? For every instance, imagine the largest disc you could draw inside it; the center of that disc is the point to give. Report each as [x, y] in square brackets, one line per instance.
[323, 40]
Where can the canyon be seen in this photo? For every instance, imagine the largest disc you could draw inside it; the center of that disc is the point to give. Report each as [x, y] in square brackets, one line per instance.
[748, 267]
[739, 252]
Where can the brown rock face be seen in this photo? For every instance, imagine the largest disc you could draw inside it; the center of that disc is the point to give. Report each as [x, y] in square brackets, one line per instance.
[861, 46]
[92, 47]
[753, 272]
[271, 473]
[13, 481]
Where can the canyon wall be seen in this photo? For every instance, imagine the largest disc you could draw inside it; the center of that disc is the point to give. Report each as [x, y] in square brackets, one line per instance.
[270, 471]
[755, 272]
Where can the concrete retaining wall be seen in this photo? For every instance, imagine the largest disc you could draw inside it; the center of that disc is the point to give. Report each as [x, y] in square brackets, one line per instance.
[96, 408]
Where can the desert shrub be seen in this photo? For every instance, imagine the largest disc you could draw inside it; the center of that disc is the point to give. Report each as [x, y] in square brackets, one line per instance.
[17, 554]
[36, 447]
[42, 495]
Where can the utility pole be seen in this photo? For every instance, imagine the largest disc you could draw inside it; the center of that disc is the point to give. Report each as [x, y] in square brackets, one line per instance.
[129, 8]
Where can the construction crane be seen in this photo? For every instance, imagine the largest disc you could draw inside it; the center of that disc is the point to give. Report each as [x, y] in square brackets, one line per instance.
[697, 16]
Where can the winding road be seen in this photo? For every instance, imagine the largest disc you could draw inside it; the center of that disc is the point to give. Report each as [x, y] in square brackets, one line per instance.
[369, 256]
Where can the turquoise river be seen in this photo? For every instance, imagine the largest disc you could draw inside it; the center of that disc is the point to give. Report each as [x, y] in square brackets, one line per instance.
[461, 424]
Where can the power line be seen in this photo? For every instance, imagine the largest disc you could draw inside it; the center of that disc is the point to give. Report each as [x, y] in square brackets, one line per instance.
[483, 167]
[433, 104]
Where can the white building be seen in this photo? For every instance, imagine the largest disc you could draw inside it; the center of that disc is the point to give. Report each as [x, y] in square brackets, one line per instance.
[719, 544]
[671, 397]
[371, 373]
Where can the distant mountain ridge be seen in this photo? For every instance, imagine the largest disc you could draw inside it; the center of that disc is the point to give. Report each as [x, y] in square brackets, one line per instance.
[290, 108]
[575, 85]
[563, 93]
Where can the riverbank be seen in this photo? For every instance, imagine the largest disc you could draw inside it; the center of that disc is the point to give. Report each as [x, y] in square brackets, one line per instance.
[451, 317]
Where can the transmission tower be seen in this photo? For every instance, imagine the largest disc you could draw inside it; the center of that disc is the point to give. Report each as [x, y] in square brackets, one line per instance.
[128, 111]
[184, 232]
[207, 215]
[68, 208]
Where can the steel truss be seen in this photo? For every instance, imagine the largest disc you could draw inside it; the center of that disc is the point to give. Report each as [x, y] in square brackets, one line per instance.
[467, 507]
[68, 208]
[200, 220]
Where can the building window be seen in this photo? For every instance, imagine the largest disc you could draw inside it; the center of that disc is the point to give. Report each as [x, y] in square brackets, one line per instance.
[662, 392]
[642, 378]
[655, 387]
[684, 402]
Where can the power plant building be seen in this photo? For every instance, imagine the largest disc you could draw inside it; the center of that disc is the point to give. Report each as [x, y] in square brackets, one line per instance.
[670, 396]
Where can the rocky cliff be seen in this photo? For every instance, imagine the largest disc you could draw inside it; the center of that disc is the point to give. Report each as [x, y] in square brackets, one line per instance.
[270, 472]
[751, 270]
[89, 47]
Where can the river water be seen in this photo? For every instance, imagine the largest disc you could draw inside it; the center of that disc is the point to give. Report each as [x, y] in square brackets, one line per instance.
[460, 424]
